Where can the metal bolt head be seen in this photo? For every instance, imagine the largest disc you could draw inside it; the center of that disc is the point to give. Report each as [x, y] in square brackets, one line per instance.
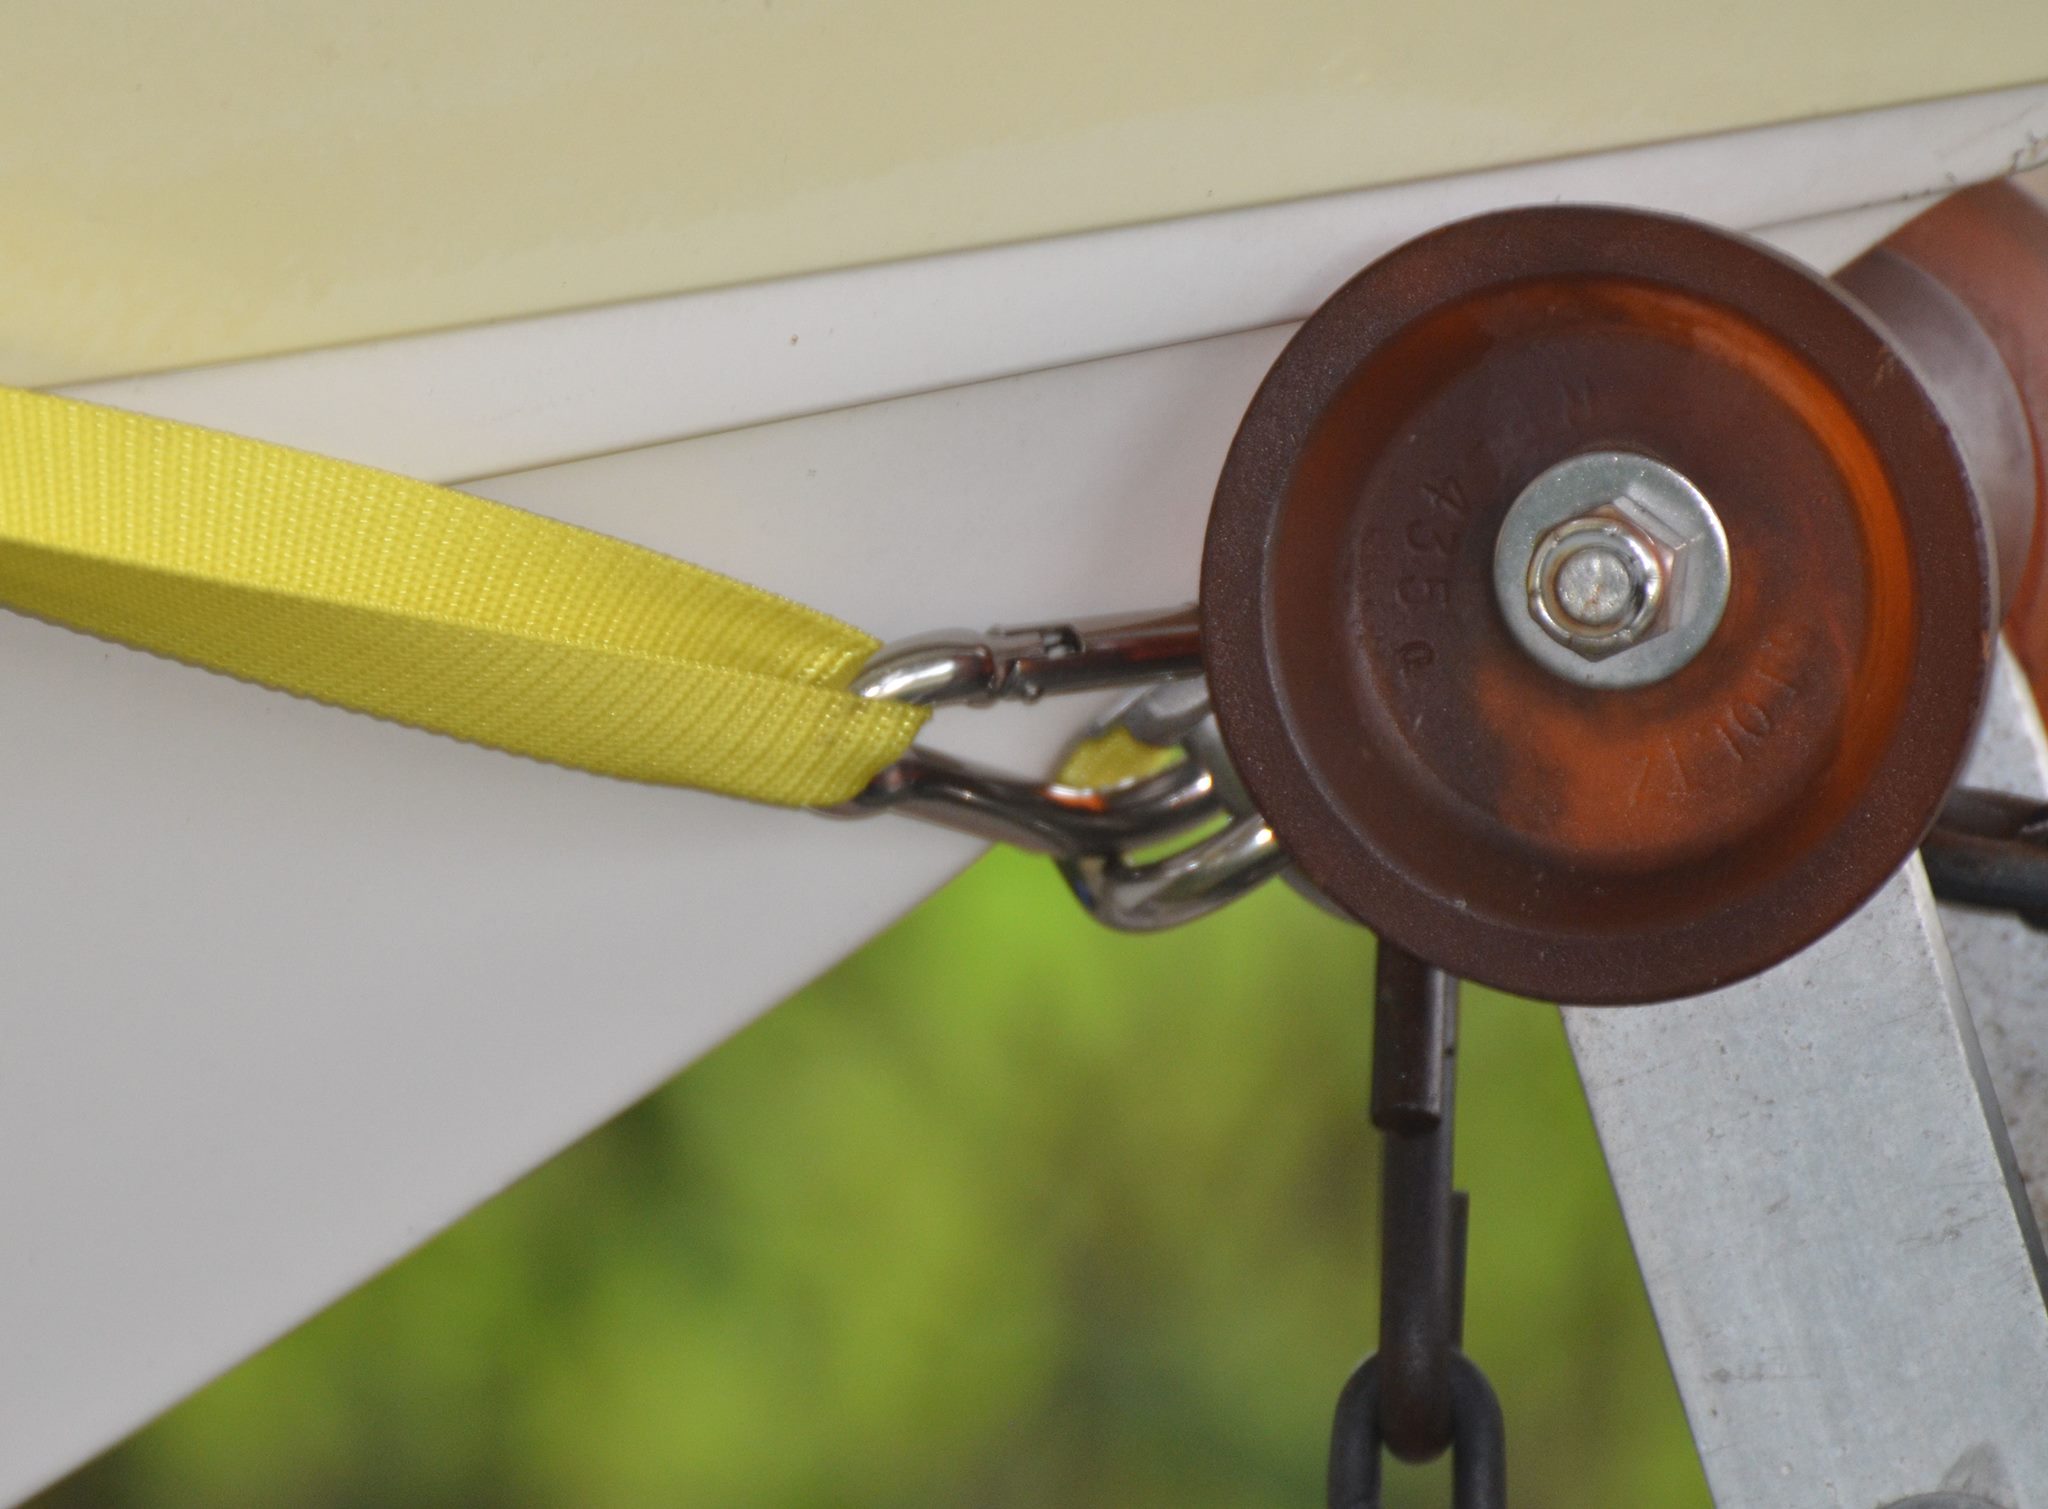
[1597, 588]
[1612, 569]
[1596, 583]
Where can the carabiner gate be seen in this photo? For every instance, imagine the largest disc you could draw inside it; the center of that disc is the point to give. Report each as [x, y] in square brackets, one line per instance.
[1095, 832]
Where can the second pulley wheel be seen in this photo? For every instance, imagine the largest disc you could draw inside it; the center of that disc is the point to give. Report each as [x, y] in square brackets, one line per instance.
[1597, 604]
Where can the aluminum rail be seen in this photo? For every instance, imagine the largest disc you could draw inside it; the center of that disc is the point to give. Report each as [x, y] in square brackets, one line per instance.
[1829, 1216]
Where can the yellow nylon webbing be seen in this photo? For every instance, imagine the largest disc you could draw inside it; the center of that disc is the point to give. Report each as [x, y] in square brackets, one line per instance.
[429, 607]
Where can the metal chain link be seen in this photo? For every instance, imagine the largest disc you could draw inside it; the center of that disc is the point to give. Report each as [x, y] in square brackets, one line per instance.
[1419, 1395]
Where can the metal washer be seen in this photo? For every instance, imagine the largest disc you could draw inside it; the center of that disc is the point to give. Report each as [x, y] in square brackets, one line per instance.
[1696, 593]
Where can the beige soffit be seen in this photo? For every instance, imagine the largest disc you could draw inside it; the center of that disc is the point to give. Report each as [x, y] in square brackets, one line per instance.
[193, 182]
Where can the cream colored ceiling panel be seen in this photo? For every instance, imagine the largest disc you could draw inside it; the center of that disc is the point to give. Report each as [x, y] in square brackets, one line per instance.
[188, 183]
[483, 399]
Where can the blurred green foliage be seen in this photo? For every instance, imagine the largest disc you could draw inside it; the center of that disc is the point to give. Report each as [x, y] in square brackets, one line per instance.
[1006, 1210]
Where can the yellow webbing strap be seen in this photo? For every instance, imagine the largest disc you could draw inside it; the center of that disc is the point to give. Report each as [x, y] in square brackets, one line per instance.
[429, 607]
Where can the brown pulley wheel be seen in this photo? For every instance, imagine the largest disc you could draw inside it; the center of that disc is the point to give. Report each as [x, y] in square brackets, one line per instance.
[1988, 248]
[1426, 769]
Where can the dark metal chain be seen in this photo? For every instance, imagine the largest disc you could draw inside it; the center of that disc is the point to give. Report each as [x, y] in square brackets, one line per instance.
[1419, 1395]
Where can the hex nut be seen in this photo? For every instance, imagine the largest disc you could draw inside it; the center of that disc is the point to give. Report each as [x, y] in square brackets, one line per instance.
[1660, 548]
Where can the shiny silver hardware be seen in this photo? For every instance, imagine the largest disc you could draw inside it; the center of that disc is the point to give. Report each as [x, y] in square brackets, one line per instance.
[1138, 895]
[1100, 836]
[958, 666]
[1595, 584]
[1045, 817]
[1611, 570]
[961, 668]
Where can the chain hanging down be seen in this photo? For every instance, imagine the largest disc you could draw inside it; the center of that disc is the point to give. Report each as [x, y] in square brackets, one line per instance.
[1419, 1395]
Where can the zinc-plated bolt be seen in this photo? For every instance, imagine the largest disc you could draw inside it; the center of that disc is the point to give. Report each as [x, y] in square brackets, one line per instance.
[1596, 583]
[1602, 584]
[1611, 569]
